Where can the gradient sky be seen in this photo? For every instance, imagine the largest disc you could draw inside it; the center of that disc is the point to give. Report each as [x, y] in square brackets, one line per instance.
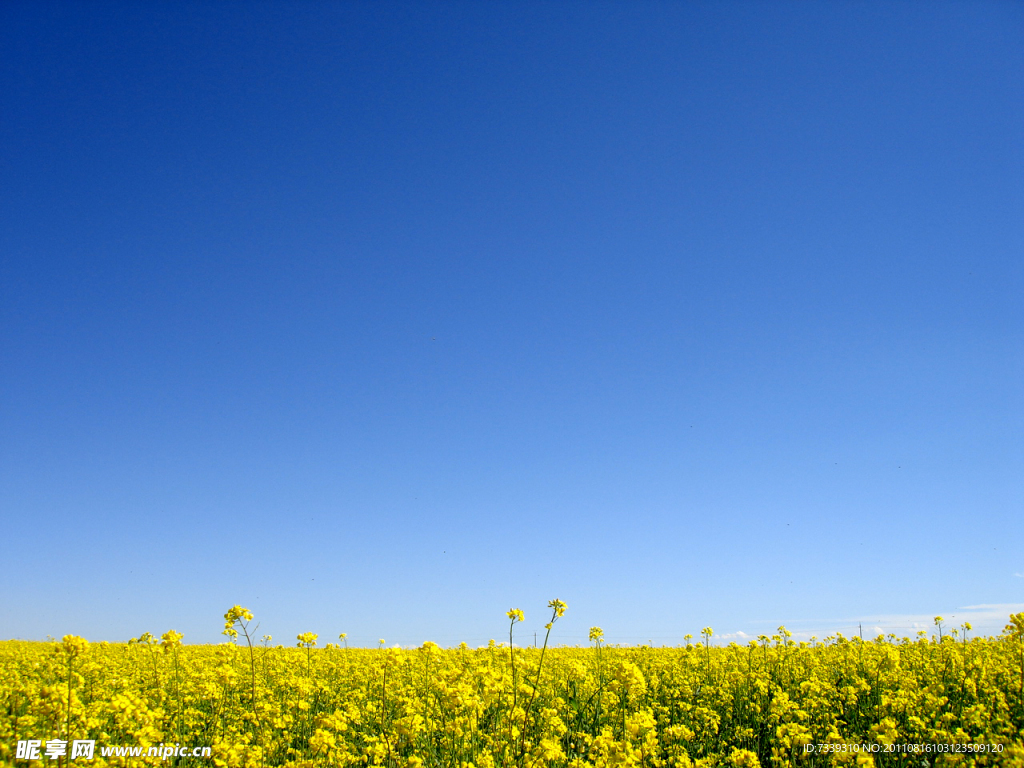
[386, 318]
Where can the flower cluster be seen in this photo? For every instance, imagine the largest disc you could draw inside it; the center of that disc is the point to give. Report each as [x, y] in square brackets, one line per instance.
[237, 615]
[696, 705]
[307, 640]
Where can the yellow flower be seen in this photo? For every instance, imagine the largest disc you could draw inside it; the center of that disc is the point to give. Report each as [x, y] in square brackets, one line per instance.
[235, 615]
[743, 758]
[170, 639]
[647, 706]
[72, 646]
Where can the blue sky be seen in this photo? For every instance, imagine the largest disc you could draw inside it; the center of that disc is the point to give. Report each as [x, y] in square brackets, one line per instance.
[385, 318]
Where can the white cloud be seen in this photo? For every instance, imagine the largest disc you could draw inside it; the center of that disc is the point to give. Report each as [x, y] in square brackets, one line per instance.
[738, 635]
[985, 619]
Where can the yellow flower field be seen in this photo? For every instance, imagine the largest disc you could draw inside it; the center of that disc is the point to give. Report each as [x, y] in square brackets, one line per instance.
[772, 702]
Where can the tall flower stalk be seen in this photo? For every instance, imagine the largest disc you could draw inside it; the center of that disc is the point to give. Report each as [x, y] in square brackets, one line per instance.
[170, 641]
[514, 615]
[241, 618]
[557, 611]
[71, 648]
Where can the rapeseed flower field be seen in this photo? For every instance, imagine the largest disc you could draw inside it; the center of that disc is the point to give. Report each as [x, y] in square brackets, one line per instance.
[773, 702]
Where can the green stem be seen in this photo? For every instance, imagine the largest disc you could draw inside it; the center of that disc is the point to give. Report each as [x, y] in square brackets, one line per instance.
[533, 694]
[70, 661]
[512, 656]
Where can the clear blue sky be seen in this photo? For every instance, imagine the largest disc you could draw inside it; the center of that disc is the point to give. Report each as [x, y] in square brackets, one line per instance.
[385, 318]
